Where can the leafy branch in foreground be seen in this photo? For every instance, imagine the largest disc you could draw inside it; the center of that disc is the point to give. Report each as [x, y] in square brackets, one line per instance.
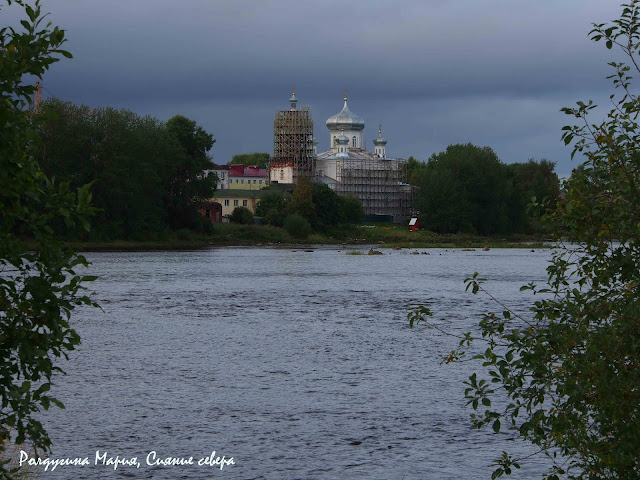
[38, 289]
[566, 376]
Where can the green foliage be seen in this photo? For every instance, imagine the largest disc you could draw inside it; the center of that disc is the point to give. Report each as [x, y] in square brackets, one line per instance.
[350, 209]
[536, 179]
[128, 158]
[145, 179]
[249, 159]
[470, 184]
[297, 226]
[414, 171]
[38, 289]
[302, 200]
[444, 202]
[326, 206]
[468, 189]
[242, 216]
[569, 370]
[186, 186]
[324, 209]
[273, 207]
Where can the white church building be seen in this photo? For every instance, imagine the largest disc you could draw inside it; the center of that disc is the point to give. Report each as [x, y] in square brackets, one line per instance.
[348, 168]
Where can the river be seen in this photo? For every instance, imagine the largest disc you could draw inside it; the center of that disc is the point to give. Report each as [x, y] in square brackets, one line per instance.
[297, 364]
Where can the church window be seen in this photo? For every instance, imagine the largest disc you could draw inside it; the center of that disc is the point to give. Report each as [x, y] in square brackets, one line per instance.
[335, 141]
[353, 141]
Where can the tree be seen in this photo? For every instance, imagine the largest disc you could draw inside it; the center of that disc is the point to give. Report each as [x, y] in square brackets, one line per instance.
[273, 207]
[297, 226]
[568, 375]
[537, 179]
[249, 159]
[350, 209]
[38, 288]
[302, 200]
[440, 210]
[479, 180]
[242, 216]
[414, 170]
[326, 205]
[186, 186]
[129, 158]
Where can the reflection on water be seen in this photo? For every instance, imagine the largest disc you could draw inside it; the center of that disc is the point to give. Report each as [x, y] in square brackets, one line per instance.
[296, 364]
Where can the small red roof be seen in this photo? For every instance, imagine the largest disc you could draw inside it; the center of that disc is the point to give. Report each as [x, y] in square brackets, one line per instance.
[240, 170]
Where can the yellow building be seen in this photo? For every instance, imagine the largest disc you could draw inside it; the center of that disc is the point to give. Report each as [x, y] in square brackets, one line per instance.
[247, 178]
[232, 198]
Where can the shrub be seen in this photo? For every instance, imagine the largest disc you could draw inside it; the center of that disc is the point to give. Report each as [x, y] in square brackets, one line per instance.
[242, 216]
[351, 210]
[297, 226]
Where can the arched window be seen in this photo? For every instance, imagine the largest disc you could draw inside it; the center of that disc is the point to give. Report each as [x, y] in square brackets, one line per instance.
[281, 174]
[353, 141]
[334, 141]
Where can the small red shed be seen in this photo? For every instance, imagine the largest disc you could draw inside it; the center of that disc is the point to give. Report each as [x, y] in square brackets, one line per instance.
[212, 210]
[413, 224]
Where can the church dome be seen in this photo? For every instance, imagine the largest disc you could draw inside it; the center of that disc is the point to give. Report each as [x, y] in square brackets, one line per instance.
[380, 140]
[346, 120]
[293, 100]
[342, 139]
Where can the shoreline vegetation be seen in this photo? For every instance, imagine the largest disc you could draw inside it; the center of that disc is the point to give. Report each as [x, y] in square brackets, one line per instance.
[384, 237]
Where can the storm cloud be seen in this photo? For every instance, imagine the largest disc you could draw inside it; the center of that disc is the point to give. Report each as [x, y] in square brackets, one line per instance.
[432, 72]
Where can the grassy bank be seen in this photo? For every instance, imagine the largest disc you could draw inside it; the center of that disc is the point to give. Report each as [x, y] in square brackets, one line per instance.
[384, 236]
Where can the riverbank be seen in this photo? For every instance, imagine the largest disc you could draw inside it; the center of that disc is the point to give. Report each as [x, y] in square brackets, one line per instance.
[384, 236]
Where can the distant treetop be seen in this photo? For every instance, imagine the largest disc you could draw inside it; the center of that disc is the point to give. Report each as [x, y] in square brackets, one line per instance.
[249, 159]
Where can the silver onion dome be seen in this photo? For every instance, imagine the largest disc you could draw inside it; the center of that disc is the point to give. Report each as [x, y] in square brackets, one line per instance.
[380, 140]
[342, 139]
[346, 120]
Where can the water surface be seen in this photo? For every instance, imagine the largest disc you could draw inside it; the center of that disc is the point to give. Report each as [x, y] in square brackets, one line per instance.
[299, 365]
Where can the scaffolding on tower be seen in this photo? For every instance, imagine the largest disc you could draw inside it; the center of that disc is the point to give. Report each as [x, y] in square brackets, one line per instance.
[293, 142]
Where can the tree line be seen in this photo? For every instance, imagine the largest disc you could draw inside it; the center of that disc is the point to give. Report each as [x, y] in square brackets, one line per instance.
[145, 174]
[468, 189]
[261, 159]
[312, 207]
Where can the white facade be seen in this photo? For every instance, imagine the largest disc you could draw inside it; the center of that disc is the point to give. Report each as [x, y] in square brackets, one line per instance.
[348, 168]
[282, 174]
[346, 136]
[222, 172]
[348, 124]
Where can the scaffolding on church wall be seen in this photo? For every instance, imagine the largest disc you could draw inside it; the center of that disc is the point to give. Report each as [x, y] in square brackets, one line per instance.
[380, 183]
[293, 142]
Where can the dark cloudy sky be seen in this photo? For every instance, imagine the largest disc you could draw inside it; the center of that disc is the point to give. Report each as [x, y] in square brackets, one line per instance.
[433, 72]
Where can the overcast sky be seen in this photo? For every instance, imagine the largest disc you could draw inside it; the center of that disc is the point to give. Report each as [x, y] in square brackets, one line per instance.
[433, 72]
